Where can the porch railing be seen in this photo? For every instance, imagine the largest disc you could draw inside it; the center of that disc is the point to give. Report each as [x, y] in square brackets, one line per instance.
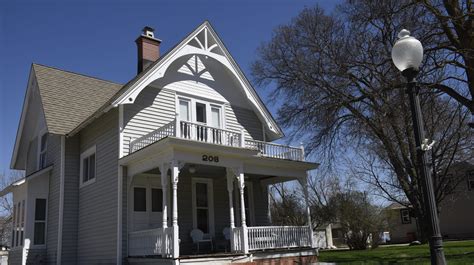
[204, 133]
[236, 235]
[150, 242]
[273, 237]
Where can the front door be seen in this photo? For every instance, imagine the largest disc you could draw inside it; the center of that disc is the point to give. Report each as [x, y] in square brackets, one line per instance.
[146, 202]
[203, 205]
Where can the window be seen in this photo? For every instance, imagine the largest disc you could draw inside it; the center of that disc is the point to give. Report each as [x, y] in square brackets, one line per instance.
[200, 112]
[40, 222]
[88, 166]
[470, 180]
[156, 200]
[42, 151]
[184, 110]
[14, 225]
[405, 215]
[216, 117]
[139, 199]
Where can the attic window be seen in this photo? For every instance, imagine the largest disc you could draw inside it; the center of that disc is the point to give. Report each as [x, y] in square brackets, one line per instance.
[405, 215]
[42, 151]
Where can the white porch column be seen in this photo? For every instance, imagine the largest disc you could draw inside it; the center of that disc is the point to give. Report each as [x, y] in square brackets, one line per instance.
[164, 187]
[230, 189]
[304, 184]
[245, 238]
[174, 178]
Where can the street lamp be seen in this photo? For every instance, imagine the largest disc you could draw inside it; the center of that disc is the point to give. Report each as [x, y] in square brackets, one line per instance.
[407, 54]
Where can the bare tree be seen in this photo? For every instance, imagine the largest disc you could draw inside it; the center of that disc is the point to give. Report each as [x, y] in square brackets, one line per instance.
[343, 93]
[6, 205]
[455, 23]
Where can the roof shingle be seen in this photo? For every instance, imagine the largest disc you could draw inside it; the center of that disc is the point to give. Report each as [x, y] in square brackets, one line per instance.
[68, 98]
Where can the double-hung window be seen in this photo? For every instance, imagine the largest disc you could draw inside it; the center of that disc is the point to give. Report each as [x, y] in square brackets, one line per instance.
[88, 166]
[43, 143]
[40, 222]
[470, 180]
[405, 215]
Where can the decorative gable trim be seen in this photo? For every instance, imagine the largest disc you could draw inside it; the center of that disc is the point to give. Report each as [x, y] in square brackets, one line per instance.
[202, 41]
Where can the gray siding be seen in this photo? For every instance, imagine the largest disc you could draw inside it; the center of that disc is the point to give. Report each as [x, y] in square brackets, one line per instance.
[157, 107]
[36, 256]
[97, 228]
[15, 256]
[71, 201]
[152, 109]
[238, 118]
[31, 160]
[53, 158]
[260, 202]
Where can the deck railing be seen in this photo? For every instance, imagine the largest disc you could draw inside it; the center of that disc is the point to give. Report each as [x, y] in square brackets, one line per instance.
[150, 242]
[274, 237]
[276, 150]
[204, 133]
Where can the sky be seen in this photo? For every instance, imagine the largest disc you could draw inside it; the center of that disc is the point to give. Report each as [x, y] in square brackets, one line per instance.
[96, 38]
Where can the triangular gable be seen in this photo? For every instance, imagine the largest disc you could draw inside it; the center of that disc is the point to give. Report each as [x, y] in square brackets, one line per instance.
[202, 41]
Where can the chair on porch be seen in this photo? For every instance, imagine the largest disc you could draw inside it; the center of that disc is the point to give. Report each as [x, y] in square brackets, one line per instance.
[225, 242]
[198, 237]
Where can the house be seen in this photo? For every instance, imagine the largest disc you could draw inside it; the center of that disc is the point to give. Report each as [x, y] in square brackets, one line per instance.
[124, 174]
[456, 217]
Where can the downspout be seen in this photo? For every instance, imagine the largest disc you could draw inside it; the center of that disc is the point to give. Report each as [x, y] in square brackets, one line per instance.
[61, 200]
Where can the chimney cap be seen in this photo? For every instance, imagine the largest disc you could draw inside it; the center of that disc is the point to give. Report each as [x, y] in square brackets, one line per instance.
[148, 31]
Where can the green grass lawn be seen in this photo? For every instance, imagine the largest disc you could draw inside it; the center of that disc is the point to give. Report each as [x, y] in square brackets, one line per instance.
[456, 252]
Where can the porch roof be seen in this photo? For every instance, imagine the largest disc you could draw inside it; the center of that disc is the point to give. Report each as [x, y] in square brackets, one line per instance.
[190, 151]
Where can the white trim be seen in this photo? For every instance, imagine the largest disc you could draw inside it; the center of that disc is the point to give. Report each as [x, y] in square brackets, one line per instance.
[158, 70]
[19, 131]
[61, 200]
[121, 129]
[210, 199]
[85, 154]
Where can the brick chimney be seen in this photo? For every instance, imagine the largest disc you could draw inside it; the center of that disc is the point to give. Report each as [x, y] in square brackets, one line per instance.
[148, 48]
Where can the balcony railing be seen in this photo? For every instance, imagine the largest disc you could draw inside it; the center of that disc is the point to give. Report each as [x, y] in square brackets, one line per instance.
[204, 133]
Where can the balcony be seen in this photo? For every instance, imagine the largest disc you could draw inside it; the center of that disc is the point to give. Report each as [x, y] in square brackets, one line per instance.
[204, 133]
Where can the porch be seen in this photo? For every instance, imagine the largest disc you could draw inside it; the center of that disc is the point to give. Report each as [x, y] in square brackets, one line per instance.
[227, 191]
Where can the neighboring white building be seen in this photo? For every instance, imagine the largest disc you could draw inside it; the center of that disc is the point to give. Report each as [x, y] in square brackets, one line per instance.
[456, 216]
[109, 167]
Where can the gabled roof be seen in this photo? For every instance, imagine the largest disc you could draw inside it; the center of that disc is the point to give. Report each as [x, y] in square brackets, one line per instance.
[69, 98]
[129, 91]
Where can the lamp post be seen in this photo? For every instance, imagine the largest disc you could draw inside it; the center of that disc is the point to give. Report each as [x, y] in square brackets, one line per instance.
[407, 54]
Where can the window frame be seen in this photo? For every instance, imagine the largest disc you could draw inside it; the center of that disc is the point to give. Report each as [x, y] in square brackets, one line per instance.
[470, 179]
[86, 154]
[146, 198]
[42, 152]
[45, 231]
[402, 215]
[209, 105]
